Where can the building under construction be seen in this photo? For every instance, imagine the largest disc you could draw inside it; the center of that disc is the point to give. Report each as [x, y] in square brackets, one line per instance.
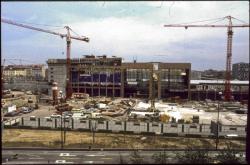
[103, 76]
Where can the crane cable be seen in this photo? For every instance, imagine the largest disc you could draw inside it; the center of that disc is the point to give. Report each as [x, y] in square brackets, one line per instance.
[75, 33]
[216, 21]
[240, 20]
[200, 21]
[37, 24]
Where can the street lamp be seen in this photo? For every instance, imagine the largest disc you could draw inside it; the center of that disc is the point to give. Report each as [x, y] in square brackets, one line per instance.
[217, 134]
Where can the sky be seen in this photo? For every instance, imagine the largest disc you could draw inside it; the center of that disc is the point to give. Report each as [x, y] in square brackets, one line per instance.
[131, 30]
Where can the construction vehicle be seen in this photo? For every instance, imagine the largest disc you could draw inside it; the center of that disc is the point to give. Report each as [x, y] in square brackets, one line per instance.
[227, 93]
[68, 42]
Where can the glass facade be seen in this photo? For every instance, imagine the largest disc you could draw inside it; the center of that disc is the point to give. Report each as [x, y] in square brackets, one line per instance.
[171, 82]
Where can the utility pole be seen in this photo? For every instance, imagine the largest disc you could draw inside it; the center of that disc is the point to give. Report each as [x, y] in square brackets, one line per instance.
[62, 139]
[61, 133]
[217, 132]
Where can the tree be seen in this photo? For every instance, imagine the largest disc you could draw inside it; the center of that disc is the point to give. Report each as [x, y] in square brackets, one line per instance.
[136, 158]
[164, 118]
[160, 158]
[228, 156]
[122, 161]
[192, 156]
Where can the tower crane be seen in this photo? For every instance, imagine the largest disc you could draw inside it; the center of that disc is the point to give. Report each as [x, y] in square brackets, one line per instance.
[229, 27]
[68, 43]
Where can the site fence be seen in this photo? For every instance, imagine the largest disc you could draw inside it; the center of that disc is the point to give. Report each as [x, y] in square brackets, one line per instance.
[178, 129]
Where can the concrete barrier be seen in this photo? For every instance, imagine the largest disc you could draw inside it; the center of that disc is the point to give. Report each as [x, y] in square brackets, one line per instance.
[136, 127]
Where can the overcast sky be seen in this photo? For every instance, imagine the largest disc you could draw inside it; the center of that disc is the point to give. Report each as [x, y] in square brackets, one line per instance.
[131, 30]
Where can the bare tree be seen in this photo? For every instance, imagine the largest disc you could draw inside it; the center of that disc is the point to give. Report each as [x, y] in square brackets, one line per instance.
[192, 156]
[136, 158]
[122, 161]
[160, 158]
[228, 156]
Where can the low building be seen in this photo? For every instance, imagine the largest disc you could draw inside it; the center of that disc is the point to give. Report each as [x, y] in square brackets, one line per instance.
[196, 75]
[212, 75]
[209, 89]
[34, 72]
[14, 71]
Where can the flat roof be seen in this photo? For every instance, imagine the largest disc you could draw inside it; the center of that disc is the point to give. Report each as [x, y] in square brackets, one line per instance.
[218, 82]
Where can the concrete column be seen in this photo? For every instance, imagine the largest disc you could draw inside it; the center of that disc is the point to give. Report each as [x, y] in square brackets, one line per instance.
[125, 126]
[113, 88]
[92, 82]
[159, 85]
[240, 93]
[85, 90]
[99, 90]
[78, 80]
[122, 82]
[189, 77]
[107, 71]
[150, 83]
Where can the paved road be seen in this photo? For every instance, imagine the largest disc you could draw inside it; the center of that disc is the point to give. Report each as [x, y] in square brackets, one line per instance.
[73, 157]
[79, 157]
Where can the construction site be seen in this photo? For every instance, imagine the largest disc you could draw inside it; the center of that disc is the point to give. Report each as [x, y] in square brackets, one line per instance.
[132, 97]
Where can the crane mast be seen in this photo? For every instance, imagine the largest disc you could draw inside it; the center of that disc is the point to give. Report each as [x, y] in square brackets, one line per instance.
[227, 94]
[68, 43]
[68, 66]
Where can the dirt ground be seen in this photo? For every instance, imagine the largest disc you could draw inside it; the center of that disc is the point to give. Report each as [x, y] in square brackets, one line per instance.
[52, 138]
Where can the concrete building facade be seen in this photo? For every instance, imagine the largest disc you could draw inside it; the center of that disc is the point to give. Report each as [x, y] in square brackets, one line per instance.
[35, 72]
[102, 76]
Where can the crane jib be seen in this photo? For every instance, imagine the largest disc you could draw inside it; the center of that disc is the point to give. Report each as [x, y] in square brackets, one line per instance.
[68, 38]
[43, 30]
[234, 26]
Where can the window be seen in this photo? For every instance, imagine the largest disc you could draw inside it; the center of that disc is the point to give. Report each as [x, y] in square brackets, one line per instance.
[233, 129]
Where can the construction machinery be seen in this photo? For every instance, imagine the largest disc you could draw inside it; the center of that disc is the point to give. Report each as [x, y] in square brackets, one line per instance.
[229, 27]
[68, 42]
